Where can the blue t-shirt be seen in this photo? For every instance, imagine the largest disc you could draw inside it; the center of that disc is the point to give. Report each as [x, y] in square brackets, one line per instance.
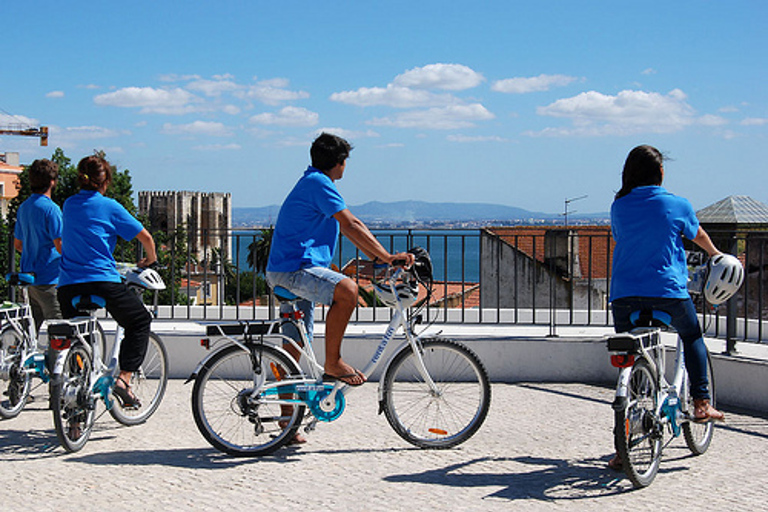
[306, 232]
[649, 258]
[92, 224]
[38, 224]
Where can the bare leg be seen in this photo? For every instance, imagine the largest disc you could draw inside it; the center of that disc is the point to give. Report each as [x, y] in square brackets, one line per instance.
[344, 302]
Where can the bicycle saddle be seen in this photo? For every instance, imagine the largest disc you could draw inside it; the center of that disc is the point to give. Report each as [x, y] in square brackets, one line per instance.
[18, 278]
[284, 295]
[88, 302]
[650, 318]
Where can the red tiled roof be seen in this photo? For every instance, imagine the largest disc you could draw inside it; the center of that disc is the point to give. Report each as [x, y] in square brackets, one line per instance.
[595, 245]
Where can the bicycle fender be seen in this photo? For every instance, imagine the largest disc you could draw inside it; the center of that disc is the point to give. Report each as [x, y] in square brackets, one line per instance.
[229, 343]
[204, 361]
[622, 384]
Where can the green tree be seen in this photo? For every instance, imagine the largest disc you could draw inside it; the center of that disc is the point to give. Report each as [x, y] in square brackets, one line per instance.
[172, 260]
[258, 251]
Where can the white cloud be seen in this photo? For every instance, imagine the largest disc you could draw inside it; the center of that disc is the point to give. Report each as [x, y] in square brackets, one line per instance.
[288, 116]
[392, 96]
[728, 109]
[173, 77]
[476, 138]
[439, 118]
[711, 120]
[648, 71]
[629, 112]
[230, 109]
[450, 77]
[531, 84]
[213, 87]
[272, 92]
[754, 121]
[9, 120]
[218, 147]
[55, 94]
[72, 133]
[347, 134]
[210, 128]
[149, 100]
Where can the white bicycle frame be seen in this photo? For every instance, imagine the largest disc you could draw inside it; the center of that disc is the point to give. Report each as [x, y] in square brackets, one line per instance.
[14, 316]
[314, 381]
[668, 393]
[102, 376]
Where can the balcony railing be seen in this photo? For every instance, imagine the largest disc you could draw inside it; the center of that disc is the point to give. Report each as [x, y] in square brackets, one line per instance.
[514, 275]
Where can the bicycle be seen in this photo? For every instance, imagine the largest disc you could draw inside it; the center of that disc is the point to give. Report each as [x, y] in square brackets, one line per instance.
[647, 407]
[20, 358]
[81, 377]
[250, 396]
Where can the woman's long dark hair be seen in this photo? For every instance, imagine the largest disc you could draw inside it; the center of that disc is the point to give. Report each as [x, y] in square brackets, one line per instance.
[93, 171]
[642, 168]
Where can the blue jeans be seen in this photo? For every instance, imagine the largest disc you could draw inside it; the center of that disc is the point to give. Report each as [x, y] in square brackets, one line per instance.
[313, 284]
[684, 321]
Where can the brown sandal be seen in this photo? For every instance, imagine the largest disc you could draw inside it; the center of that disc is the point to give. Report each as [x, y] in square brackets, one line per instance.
[125, 396]
[616, 463]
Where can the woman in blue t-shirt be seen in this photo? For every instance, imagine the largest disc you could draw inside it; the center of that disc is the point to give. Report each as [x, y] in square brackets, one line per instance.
[92, 223]
[649, 264]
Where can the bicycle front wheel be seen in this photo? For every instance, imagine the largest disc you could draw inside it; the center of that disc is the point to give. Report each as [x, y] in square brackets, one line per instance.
[15, 383]
[232, 413]
[698, 436]
[73, 406]
[638, 434]
[443, 416]
[148, 383]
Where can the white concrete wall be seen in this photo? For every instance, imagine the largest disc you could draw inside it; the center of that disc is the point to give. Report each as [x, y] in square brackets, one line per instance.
[511, 354]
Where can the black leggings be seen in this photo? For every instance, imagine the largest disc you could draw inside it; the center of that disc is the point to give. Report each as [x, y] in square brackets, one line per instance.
[127, 310]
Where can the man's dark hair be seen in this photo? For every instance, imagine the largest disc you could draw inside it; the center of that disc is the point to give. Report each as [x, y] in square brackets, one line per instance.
[328, 150]
[41, 172]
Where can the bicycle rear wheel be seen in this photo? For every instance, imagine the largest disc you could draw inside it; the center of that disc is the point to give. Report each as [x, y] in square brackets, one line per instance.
[15, 383]
[698, 436]
[73, 406]
[230, 412]
[148, 383]
[446, 416]
[638, 435]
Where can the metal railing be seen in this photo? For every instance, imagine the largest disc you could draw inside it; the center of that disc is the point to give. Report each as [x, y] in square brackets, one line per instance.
[518, 275]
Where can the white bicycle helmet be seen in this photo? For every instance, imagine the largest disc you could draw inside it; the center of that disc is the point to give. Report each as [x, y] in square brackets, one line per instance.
[146, 278]
[407, 292]
[724, 278]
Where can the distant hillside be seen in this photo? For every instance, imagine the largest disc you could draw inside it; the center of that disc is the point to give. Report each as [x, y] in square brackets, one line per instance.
[419, 213]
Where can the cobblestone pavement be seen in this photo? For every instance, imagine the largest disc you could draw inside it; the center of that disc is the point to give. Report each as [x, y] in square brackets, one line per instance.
[543, 447]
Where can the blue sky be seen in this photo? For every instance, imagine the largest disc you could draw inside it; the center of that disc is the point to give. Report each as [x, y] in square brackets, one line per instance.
[519, 103]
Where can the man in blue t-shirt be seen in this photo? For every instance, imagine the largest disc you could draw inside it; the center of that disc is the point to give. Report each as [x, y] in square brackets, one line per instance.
[303, 244]
[37, 236]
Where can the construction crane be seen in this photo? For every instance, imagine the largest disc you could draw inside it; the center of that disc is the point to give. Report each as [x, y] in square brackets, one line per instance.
[28, 131]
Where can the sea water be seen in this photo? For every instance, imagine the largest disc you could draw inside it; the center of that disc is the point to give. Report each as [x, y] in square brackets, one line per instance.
[455, 253]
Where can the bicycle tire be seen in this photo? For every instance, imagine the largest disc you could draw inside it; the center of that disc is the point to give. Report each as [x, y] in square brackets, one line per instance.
[74, 409]
[638, 434]
[441, 419]
[148, 384]
[698, 436]
[228, 417]
[15, 384]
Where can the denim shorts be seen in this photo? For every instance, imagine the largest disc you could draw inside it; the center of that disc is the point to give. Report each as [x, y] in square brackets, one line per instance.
[316, 284]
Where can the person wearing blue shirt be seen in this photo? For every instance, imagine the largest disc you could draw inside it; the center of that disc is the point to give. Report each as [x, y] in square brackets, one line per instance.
[649, 264]
[303, 243]
[37, 236]
[92, 223]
